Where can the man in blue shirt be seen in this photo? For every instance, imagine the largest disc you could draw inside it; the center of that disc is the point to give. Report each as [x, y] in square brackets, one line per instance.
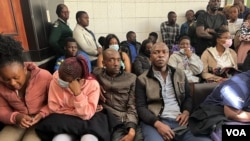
[190, 18]
[131, 46]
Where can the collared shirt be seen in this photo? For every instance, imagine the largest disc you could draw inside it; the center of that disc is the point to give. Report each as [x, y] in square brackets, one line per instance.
[225, 60]
[63, 21]
[170, 33]
[59, 32]
[184, 28]
[171, 107]
[233, 27]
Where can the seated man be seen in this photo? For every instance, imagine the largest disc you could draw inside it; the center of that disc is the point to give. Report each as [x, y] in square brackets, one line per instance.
[163, 100]
[153, 36]
[71, 50]
[228, 101]
[131, 46]
[119, 96]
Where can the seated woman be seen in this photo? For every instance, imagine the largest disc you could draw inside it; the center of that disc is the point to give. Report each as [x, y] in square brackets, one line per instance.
[73, 99]
[74, 92]
[242, 40]
[23, 93]
[112, 41]
[142, 61]
[215, 59]
[186, 60]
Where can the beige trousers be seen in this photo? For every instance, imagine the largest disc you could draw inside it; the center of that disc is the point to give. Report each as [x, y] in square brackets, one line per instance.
[14, 133]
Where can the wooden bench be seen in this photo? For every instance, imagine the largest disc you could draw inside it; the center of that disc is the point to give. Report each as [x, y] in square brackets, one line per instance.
[199, 92]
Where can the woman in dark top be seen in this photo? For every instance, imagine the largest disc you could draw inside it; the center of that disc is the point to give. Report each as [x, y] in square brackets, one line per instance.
[142, 61]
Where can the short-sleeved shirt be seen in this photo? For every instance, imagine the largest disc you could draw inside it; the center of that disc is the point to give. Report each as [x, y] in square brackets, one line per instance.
[234, 92]
[212, 22]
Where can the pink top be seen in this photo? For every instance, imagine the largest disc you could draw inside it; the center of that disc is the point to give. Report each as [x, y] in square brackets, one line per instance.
[35, 100]
[62, 100]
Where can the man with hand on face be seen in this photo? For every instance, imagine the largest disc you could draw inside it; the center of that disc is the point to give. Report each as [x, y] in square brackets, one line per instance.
[118, 94]
[163, 100]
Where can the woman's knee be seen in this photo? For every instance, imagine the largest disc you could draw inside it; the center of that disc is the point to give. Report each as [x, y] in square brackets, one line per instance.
[11, 133]
[30, 135]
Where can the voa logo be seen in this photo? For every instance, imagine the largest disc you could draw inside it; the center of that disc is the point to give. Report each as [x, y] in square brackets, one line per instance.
[236, 132]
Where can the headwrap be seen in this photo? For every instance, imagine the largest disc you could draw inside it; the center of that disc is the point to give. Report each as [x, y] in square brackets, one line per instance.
[76, 67]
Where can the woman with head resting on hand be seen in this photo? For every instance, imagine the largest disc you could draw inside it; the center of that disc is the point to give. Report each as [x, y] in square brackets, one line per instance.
[23, 93]
[73, 91]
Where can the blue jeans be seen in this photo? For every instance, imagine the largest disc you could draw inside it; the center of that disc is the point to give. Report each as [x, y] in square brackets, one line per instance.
[151, 134]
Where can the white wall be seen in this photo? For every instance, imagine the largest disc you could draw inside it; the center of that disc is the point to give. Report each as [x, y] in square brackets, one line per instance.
[121, 16]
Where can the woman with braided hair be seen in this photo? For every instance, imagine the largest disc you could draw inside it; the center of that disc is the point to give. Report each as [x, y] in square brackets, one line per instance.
[23, 93]
[73, 100]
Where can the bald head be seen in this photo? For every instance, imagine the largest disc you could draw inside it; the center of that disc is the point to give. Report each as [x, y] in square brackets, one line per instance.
[111, 61]
[108, 52]
[159, 56]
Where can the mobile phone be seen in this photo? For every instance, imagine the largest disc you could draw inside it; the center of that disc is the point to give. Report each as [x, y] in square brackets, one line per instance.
[179, 128]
